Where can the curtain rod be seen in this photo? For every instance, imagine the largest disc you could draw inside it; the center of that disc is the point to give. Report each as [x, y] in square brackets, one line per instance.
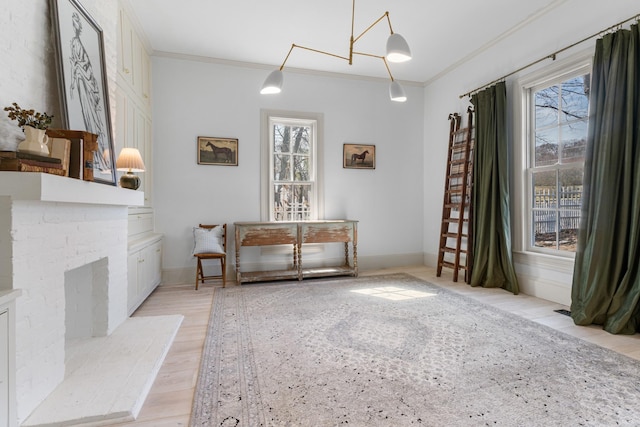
[551, 56]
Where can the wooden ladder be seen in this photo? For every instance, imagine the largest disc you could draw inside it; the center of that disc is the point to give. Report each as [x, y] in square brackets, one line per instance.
[455, 250]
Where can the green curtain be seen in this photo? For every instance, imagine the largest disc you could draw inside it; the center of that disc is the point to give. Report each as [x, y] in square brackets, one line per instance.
[606, 277]
[492, 258]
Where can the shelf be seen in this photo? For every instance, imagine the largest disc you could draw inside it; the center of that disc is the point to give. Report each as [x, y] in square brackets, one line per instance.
[267, 276]
[46, 187]
[328, 271]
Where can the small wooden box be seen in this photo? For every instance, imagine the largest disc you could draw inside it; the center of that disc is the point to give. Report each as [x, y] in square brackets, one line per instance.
[83, 146]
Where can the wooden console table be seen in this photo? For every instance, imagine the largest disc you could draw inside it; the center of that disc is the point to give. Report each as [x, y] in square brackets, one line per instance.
[297, 233]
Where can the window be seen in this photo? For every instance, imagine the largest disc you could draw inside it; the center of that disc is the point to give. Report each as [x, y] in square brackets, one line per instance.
[557, 135]
[291, 188]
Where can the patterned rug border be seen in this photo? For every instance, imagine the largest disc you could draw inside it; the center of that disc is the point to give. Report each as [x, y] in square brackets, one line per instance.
[201, 409]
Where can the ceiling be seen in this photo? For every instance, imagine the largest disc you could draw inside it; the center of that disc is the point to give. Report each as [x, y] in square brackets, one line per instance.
[442, 34]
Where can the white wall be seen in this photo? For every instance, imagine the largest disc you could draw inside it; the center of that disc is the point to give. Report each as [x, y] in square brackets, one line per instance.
[572, 21]
[28, 73]
[192, 98]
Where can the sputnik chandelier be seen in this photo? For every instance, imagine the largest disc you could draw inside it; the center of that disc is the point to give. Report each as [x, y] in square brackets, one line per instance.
[397, 51]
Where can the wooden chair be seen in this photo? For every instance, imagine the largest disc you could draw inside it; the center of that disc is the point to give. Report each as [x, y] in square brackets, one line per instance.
[200, 277]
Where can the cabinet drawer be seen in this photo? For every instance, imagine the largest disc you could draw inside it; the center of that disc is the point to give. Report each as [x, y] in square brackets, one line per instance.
[140, 224]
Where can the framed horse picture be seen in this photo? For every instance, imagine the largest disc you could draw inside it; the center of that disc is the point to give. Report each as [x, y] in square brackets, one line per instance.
[359, 156]
[217, 151]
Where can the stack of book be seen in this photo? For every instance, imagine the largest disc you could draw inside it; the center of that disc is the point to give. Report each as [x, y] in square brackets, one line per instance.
[72, 153]
[27, 162]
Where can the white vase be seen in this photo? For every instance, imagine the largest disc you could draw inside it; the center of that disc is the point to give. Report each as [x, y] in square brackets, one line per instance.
[35, 142]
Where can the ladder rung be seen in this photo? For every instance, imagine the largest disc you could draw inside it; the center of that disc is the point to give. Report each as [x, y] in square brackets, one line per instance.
[450, 250]
[456, 220]
[452, 265]
[452, 235]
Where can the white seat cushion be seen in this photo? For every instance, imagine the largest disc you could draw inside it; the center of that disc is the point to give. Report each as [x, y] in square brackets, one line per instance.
[208, 241]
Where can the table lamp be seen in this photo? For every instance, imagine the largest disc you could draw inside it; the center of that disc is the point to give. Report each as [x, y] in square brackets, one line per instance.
[130, 161]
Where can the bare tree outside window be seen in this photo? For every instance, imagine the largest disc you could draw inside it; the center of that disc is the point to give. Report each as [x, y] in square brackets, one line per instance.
[559, 133]
[292, 180]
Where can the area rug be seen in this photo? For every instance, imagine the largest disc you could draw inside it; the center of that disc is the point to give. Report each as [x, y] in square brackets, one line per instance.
[394, 350]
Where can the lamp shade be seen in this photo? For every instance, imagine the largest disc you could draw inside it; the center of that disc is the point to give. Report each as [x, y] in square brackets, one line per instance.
[397, 48]
[273, 83]
[396, 92]
[130, 160]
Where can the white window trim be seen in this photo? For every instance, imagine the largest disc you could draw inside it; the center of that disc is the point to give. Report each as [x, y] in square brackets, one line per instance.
[265, 157]
[521, 155]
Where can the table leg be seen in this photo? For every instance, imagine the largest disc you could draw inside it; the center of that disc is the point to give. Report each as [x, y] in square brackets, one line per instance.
[355, 259]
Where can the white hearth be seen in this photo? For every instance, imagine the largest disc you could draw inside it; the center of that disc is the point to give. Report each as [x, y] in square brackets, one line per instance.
[63, 244]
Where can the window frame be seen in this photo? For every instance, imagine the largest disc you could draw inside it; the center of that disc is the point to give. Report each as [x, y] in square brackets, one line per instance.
[545, 77]
[524, 253]
[316, 120]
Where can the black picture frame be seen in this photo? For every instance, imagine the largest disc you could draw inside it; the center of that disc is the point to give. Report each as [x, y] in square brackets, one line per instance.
[82, 81]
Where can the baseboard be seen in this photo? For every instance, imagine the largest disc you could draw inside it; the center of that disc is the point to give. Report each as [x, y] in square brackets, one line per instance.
[173, 276]
[547, 278]
[545, 289]
[551, 290]
[430, 260]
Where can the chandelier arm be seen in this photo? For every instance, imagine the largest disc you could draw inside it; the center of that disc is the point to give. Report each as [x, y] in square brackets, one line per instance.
[385, 15]
[287, 57]
[353, 20]
[312, 50]
[386, 64]
[389, 22]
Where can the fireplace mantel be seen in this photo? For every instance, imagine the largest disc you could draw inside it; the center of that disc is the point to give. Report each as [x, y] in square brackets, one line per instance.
[53, 188]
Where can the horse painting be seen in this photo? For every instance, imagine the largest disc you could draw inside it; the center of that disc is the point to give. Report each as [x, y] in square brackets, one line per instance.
[355, 157]
[219, 152]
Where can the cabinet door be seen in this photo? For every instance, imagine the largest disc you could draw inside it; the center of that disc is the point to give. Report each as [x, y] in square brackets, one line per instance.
[125, 51]
[121, 121]
[151, 266]
[145, 77]
[4, 368]
[142, 142]
[143, 275]
[132, 282]
[155, 265]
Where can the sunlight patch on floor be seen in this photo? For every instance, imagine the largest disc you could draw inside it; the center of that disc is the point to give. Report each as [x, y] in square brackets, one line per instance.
[393, 293]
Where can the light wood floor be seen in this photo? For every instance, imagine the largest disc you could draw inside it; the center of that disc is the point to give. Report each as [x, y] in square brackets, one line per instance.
[169, 401]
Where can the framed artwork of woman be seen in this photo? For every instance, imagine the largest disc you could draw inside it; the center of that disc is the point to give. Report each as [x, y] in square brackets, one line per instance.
[82, 81]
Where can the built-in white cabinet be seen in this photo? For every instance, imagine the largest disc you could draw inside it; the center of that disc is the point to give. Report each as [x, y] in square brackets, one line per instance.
[134, 129]
[133, 98]
[144, 270]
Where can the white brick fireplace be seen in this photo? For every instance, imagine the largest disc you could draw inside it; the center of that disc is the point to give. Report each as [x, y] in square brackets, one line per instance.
[63, 243]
